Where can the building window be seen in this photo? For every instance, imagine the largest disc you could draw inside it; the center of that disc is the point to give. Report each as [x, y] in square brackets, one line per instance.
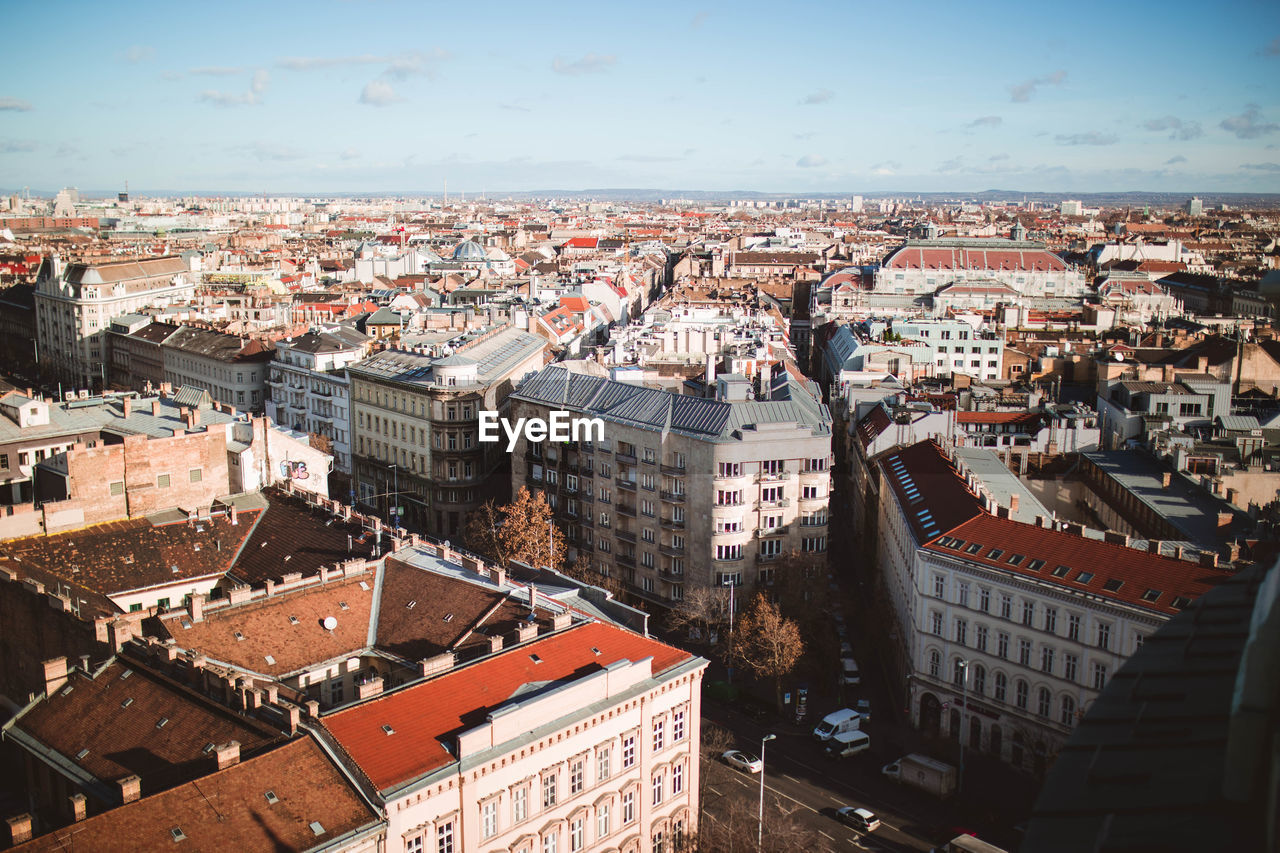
[117, 488]
[980, 679]
[1043, 702]
[962, 632]
[962, 594]
[162, 481]
[551, 842]
[519, 804]
[939, 586]
[957, 673]
[628, 807]
[444, 838]
[1068, 715]
[195, 475]
[810, 492]
[1002, 645]
[602, 821]
[1099, 676]
[1024, 652]
[659, 734]
[935, 664]
[629, 750]
[603, 770]
[1051, 620]
[729, 469]
[1028, 613]
[1002, 685]
[981, 643]
[576, 835]
[935, 620]
[984, 599]
[770, 548]
[1006, 606]
[1104, 636]
[677, 726]
[1069, 664]
[814, 544]
[550, 790]
[489, 819]
[1073, 627]
[413, 845]
[677, 779]
[1020, 694]
[728, 552]
[659, 784]
[1046, 660]
[576, 774]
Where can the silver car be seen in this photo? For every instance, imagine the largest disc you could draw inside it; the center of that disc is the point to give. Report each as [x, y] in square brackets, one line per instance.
[744, 761]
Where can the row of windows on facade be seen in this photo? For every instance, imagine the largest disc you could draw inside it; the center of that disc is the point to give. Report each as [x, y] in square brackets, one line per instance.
[412, 405]
[670, 485]
[440, 439]
[194, 475]
[576, 830]
[30, 457]
[1049, 614]
[977, 685]
[417, 462]
[771, 467]
[222, 394]
[768, 494]
[664, 782]
[1048, 655]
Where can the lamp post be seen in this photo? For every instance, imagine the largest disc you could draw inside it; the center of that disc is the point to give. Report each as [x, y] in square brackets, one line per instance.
[729, 663]
[393, 508]
[964, 713]
[760, 811]
[551, 543]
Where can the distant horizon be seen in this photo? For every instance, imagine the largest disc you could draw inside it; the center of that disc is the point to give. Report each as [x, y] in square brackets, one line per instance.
[368, 98]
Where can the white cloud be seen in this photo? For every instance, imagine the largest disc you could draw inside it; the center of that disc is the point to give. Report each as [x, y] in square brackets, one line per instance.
[1262, 167]
[821, 96]
[1093, 137]
[1249, 124]
[216, 71]
[378, 93]
[592, 63]
[138, 53]
[257, 88]
[1178, 129]
[349, 154]
[1175, 160]
[16, 105]
[648, 158]
[811, 161]
[986, 121]
[888, 167]
[1022, 92]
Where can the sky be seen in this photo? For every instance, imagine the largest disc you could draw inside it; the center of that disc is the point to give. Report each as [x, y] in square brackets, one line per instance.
[797, 97]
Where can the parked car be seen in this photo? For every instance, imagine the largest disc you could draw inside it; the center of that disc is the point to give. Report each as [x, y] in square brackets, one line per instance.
[860, 819]
[744, 761]
[863, 707]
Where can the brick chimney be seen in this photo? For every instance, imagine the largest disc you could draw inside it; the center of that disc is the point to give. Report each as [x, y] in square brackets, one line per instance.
[130, 789]
[19, 829]
[1013, 503]
[127, 403]
[228, 754]
[192, 418]
[195, 607]
[78, 808]
[155, 408]
[1166, 479]
[234, 515]
[55, 675]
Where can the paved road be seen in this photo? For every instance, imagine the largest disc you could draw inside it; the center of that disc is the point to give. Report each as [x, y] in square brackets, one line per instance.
[800, 779]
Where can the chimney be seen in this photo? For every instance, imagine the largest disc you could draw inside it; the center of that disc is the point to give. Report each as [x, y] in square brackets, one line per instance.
[193, 418]
[234, 515]
[497, 575]
[1166, 479]
[84, 663]
[313, 709]
[155, 408]
[130, 789]
[127, 403]
[1225, 519]
[195, 607]
[78, 809]
[20, 829]
[1013, 503]
[228, 754]
[55, 675]
[295, 717]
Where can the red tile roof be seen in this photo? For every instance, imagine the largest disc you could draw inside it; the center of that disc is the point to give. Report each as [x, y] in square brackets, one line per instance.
[925, 482]
[423, 716]
[996, 417]
[974, 258]
[872, 424]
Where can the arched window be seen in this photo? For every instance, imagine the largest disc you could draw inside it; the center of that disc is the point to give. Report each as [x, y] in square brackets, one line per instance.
[957, 673]
[1002, 685]
[980, 680]
[1068, 710]
[935, 664]
[1043, 701]
[1020, 692]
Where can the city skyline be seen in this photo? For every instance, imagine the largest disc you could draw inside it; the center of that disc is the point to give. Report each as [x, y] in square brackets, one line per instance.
[284, 99]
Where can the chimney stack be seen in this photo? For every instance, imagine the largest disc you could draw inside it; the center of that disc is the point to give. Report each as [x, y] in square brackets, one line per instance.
[228, 754]
[78, 808]
[55, 675]
[195, 607]
[155, 408]
[19, 829]
[1166, 479]
[127, 403]
[130, 789]
[1013, 503]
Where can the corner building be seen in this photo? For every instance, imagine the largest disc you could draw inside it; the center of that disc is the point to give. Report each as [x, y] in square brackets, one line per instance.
[683, 491]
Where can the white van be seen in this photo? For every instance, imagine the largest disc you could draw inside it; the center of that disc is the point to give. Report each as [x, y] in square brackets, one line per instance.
[848, 743]
[836, 723]
[849, 671]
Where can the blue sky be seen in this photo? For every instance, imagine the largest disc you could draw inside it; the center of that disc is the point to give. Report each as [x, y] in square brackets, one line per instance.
[797, 97]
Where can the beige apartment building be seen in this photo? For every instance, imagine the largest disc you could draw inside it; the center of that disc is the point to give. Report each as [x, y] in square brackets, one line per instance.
[414, 424]
[75, 304]
[683, 491]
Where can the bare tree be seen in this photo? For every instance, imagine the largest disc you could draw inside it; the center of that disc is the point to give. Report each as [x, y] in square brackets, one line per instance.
[768, 643]
[521, 530]
[735, 826]
[701, 612]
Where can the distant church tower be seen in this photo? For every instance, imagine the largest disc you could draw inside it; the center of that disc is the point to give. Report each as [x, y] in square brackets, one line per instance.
[1017, 232]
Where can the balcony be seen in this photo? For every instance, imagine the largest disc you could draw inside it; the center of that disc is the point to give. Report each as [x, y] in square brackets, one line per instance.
[672, 524]
[627, 560]
[672, 577]
[629, 485]
[765, 477]
[778, 504]
[674, 497]
[780, 530]
[625, 458]
[672, 470]
[627, 509]
[671, 551]
[625, 535]
[727, 560]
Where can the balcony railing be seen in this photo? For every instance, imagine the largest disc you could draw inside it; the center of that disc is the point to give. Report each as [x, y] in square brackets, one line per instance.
[672, 524]
[674, 497]
[627, 560]
[625, 535]
[766, 477]
[671, 550]
[672, 577]
[778, 504]
[627, 509]
[625, 458]
[773, 531]
[672, 470]
[629, 485]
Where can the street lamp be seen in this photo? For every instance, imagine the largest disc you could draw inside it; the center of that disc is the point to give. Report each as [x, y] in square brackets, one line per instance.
[964, 712]
[551, 542]
[760, 812]
[729, 663]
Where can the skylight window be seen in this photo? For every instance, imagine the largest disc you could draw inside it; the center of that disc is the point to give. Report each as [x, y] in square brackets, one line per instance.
[81, 754]
[293, 620]
[67, 690]
[1014, 559]
[1084, 577]
[957, 544]
[271, 797]
[448, 617]
[364, 586]
[127, 702]
[535, 658]
[1152, 595]
[178, 834]
[239, 636]
[387, 730]
[411, 604]
[126, 674]
[973, 548]
[317, 827]
[164, 721]
[1061, 571]
[1180, 602]
[271, 661]
[995, 553]
[594, 650]
[208, 748]
[342, 605]
[1113, 585]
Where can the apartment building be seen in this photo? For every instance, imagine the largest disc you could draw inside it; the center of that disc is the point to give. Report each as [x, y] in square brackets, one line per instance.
[1010, 628]
[682, 491]
[588, 741]
[310, 391]
[76, 302]
[233, 369]
[415, 418]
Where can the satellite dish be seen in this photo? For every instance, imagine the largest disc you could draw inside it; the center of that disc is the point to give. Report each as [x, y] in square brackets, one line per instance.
[330, 623]
[1119, 356]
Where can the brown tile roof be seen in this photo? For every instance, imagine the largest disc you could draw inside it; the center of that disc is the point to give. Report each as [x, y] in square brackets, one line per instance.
[117, 719]
[421, 631]
[229, 810]
[118, 556]
[286, 626]
[295, 537]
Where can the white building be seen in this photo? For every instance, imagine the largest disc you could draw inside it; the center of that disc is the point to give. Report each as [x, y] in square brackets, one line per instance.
[310, 391]
[1009, 627]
